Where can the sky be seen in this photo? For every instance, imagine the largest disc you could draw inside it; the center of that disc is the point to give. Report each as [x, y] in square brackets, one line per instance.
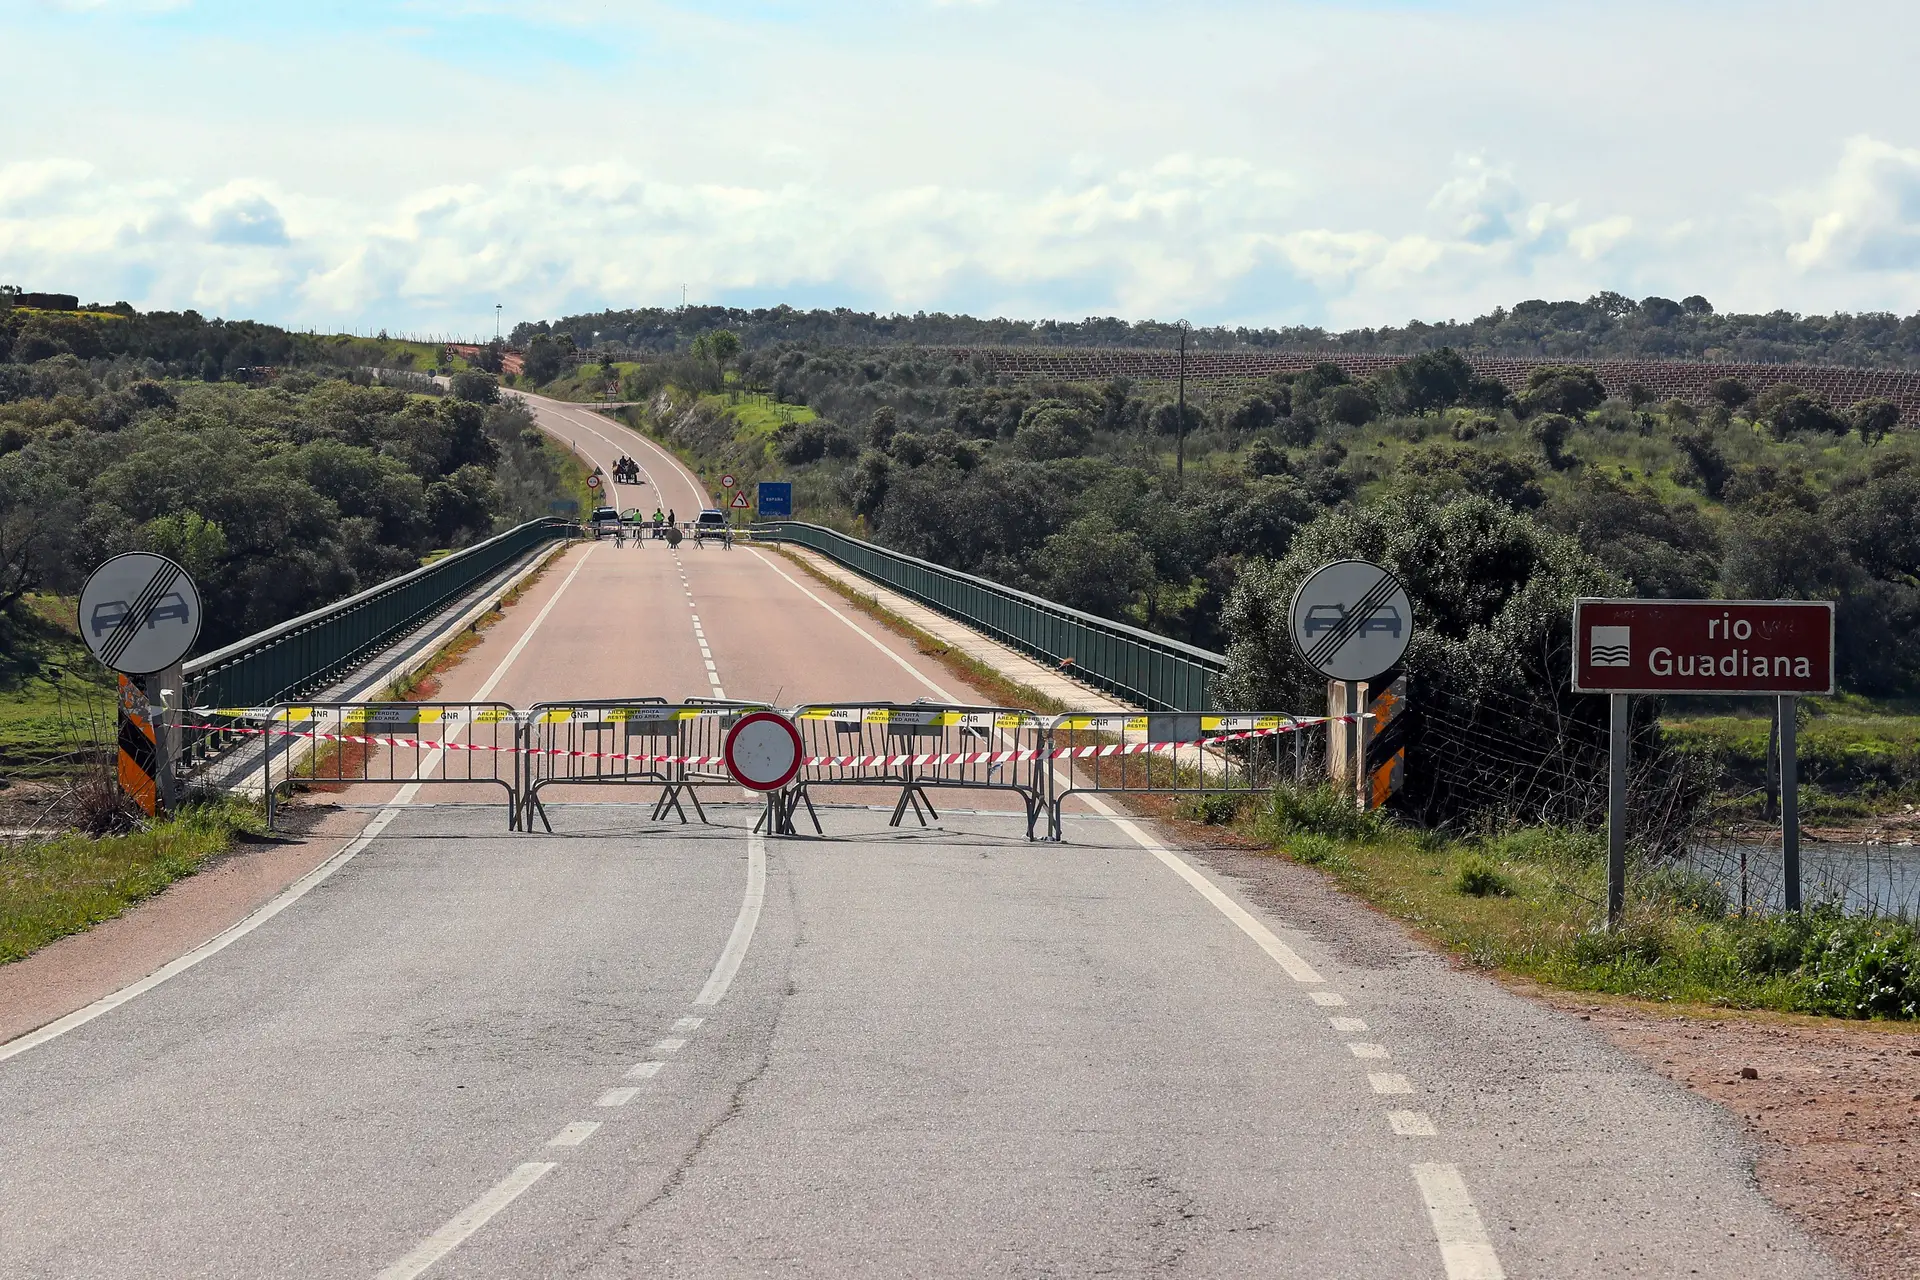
[363, 165]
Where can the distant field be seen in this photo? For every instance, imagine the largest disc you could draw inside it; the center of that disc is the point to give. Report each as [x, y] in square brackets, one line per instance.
[47, 686]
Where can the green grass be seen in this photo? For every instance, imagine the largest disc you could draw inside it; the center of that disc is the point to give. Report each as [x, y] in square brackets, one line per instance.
[1531, 903]
[52, 888]
[1856, 758]
[761, 415]
[48, 680]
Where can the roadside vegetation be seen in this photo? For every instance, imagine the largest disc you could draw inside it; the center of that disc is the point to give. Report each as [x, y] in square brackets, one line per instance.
[1531, 903]
[67, 883]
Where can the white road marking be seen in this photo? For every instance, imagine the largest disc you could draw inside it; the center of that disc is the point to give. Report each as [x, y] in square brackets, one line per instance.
[1327, 999]
[615, 1097]
[1361, 1049]
[644, 1070]
[1388, 1082]
[466, 1222]
[1410, 1124]
[688, 1024]
[1347, 1024]
[672, 1044]
[1465, 1250]
[743, 926]
[286, 897]
[574, 1134]
[1283, 955]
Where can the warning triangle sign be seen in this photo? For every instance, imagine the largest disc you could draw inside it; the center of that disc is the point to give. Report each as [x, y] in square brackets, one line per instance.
[739, 500]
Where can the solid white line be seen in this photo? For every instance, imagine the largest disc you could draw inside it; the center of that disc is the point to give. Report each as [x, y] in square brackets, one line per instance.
[574, 1134]
[288, 896]
[743, 926]
[644, 1070]
[1389, 1082]
[1364, 1050]
[466, 1222]
[1347, 1024]
[1327, 999]
[1465, 1250]
[1411, 1124]
[857, 629]
[615, 1098]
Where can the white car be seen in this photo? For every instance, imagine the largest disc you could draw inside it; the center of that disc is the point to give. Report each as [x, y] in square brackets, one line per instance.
[713, 524]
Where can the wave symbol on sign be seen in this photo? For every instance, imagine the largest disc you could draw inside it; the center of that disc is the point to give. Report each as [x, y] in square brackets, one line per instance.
[1610, 647]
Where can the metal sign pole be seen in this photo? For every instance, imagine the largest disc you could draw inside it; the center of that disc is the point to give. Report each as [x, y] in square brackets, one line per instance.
[1617, 742]
[1790, 800]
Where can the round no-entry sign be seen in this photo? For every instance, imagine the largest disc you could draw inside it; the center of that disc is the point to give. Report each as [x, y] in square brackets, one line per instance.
[763, 751]
[139, 613]
[1351, 620]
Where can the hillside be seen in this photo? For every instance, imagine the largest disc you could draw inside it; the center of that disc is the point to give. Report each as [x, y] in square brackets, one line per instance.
[1607, 326]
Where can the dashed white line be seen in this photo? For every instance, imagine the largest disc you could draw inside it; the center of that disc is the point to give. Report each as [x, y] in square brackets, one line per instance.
[467, 1221]
[672, 1044]
[1327, 999]
[1465, 1250]
[1347, 1025]
[1388, 1082]
[688, 1024]
[616, 1097]
[644, 1070]
[1411, 1124]
[574, 1134]
[1364, 1049]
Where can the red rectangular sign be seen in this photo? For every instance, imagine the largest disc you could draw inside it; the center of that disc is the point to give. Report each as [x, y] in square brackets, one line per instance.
[1703, 646]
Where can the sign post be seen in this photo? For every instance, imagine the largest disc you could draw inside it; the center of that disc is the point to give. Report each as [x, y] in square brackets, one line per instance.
[1352, 621]
[1760, 648]
[139, 615]
[763, 753]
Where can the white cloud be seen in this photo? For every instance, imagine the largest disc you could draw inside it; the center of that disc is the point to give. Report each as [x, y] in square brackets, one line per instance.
[1867, 218]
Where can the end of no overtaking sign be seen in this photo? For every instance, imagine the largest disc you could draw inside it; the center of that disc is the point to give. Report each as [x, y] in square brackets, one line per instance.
[1351, 620]
[139, 613]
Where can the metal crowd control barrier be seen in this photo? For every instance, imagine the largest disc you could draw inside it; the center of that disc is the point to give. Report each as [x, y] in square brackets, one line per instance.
[628, 742]
[919, 747]
[1164, 753]
[1138, 665]
[339, 743]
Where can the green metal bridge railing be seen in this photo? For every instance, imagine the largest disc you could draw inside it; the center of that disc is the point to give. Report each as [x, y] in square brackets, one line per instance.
[307, 653]
[1139, 666]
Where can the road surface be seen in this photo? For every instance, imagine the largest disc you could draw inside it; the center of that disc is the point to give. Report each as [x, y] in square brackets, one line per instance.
[630, 1048]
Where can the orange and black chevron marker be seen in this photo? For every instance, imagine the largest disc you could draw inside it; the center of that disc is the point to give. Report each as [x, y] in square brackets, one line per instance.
[139, 758]
[1387, 742]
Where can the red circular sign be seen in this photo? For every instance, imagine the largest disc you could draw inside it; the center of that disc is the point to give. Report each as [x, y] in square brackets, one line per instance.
[763, 751]
[593, 482]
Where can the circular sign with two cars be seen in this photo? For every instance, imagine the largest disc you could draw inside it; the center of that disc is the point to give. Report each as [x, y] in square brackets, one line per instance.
[763, 751]
[139, 613]
[1351, 620]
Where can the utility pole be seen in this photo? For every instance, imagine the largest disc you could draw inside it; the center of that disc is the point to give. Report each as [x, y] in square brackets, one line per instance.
[1180, 426]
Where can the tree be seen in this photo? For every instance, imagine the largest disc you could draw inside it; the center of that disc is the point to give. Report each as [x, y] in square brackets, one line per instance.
[1730, 392]
[1353, 405]
[1096, 566]
[544, 360]
[1873, 418]
[1428, 383]
[1550, 431]
[717, 346]
[1696, 305]
[1787, 410]
[475, 387]
[1561, 388]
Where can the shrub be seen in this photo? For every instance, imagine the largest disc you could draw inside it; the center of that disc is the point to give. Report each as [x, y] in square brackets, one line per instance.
[1478, 878]
[1321, 811]
[1686, 890]
[1313, 851]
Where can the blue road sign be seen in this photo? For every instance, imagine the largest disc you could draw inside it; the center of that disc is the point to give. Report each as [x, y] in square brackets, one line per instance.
[776, 500]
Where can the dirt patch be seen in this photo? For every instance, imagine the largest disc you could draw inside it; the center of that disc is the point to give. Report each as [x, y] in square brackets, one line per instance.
[1833, 1106]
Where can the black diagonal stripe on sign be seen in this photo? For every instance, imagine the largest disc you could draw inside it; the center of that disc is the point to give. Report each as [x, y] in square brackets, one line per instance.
[1334, 641]
[138, 611]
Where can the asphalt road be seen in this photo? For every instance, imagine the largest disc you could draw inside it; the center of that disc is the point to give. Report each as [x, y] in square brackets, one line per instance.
[637, 1049]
